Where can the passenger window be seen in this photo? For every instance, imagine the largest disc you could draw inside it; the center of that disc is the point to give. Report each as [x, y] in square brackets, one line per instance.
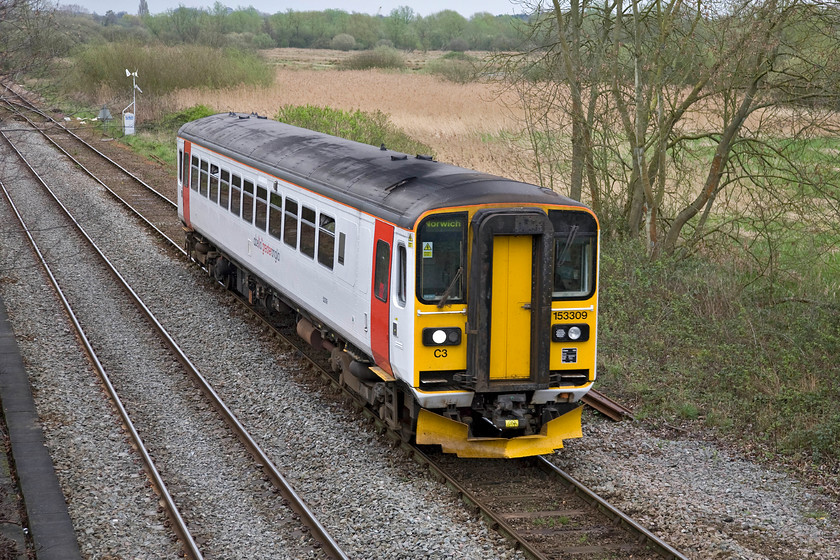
[248, 201]
[342, 239]
[380, 273]
[401, 274]
[262, 208]
[275, 216]
[205, 179]
[307, 232]
[290, 221]
[224, 189]
[194, 177]
[214, 183]
[326, 241]
[235, 194]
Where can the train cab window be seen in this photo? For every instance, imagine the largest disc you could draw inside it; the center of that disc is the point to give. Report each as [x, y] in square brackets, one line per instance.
[342, 241]
[194, 177]
[248, 201]
[326, 240]
[441, 258]
[204, 180]
[402, 262]
[307, 232]
[214, 183]
[575, 251]
[381, 270]
[224, 189]
[290, 223]
[275, 216]
[261, 213]
[235, 194]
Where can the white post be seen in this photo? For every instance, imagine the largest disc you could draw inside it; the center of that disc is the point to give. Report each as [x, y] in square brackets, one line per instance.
[128, 118]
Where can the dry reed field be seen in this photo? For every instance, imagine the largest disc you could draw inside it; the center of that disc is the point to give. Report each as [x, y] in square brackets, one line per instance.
[449, 117]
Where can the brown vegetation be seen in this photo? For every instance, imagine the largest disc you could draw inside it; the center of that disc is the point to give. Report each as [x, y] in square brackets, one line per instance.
[452, 118]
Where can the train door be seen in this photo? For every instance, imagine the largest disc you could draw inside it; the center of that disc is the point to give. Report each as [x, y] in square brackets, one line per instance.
[380, 309]
[511, 295]
[510, 299]
[401, 323]
[185, 181]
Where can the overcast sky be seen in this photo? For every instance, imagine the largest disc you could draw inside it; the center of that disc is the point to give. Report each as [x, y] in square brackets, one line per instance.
[423, 7]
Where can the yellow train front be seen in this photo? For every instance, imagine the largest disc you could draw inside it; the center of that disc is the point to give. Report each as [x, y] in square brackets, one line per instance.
[505, 327]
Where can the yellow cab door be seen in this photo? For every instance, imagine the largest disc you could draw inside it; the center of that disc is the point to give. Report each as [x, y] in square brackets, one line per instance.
[510, 322]
[509, 307]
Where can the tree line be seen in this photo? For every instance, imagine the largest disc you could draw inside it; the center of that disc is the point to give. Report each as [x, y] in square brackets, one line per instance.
[220, 25]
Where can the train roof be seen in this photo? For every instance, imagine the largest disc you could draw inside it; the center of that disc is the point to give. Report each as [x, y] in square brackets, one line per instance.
[393, 186]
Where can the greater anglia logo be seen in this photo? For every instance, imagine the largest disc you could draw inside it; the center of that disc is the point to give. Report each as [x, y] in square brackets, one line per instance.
[265, 248]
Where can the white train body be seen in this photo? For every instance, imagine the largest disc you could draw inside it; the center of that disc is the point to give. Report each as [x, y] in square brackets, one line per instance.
[388, 262]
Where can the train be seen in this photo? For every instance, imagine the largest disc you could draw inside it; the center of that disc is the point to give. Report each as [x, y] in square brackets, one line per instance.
[461, 306]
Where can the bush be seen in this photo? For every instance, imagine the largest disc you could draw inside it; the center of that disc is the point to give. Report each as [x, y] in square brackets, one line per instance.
[458, 45]
[455, 67]
[173, 121]
[369, 128]
[343, 42]
[380, 57]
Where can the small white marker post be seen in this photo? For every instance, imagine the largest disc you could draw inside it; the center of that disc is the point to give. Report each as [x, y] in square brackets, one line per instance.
[128, 118]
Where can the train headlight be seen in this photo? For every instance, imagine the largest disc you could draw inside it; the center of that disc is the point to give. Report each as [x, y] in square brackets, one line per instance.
[444, 336]
[569, 333]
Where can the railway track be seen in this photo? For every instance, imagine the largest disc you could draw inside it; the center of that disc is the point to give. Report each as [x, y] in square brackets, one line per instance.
[567, 517]
[134, 369]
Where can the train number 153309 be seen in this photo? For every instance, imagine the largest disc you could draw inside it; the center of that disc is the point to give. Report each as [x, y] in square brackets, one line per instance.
[570, 315]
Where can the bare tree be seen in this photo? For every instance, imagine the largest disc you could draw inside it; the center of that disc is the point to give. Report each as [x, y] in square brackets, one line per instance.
[675, 109]
[28, 36]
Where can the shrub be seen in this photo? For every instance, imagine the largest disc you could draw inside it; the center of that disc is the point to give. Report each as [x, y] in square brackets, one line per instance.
[173, 121]
[455, 67]
[458, 45]
[343, 42]
[380, 57]
[370, 128]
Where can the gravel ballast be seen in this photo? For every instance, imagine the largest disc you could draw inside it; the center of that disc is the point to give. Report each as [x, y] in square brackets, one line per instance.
[701, 497]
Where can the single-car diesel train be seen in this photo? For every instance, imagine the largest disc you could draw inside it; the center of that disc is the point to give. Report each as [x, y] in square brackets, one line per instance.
[461, 306]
